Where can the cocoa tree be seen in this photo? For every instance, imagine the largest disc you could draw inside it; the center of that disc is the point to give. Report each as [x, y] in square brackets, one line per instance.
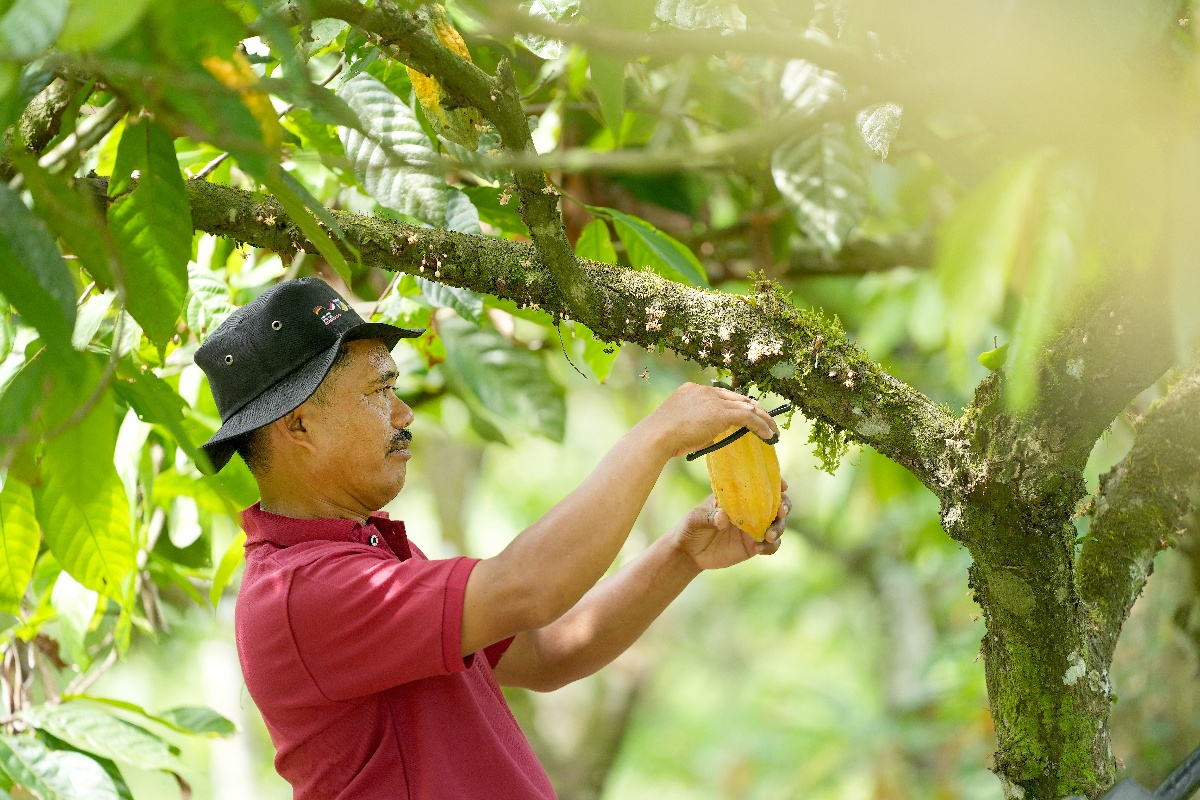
[1064, 136]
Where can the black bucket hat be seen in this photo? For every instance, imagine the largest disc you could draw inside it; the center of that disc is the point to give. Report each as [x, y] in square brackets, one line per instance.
[270, 355]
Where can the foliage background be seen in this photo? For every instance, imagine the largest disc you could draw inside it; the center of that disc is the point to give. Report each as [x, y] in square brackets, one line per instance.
[843, 667]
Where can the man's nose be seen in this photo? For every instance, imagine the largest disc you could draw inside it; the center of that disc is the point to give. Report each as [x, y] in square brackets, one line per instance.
[402, 414]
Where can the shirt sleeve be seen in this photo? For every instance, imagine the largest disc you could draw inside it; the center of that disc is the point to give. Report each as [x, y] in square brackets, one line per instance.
[363, 624]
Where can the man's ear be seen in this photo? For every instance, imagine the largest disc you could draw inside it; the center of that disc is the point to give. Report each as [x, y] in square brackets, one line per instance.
[290, 427]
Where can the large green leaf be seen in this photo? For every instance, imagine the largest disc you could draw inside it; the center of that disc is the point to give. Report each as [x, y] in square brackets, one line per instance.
[54, 774]
[28, 763]
[156, 402]
[507, 382]
[95, 730]
[152, 228]
[95, 24]
[821, 177]
[33, 276]
[190, 720]
[29, 27]
[19, 542]
[73, 217]
[647, 246]
[394, 161]
[88, 535]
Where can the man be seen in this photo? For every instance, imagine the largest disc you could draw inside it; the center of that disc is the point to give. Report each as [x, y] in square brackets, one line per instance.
[376, 669]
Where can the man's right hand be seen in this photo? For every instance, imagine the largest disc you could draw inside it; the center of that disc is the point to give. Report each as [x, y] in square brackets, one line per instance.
[694, 416]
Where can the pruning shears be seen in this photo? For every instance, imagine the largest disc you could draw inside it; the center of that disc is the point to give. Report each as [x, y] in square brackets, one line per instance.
[740, 432]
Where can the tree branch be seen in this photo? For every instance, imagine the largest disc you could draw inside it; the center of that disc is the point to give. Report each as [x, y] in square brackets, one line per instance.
[41, 120]
[761, 338]
[402, 36]
[1143, 504]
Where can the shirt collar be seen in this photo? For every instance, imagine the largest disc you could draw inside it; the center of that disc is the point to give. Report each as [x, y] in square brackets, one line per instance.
[263, 527]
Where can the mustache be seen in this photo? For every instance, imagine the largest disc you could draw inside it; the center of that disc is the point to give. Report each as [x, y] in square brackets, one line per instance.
[402, 437]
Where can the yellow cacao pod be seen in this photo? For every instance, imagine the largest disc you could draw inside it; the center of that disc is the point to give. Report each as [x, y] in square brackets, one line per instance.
[745, 479]
[459, 124]
[235, 73]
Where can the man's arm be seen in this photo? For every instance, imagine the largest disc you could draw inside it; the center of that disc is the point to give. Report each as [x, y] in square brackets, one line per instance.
[549, 566]
[618, 610]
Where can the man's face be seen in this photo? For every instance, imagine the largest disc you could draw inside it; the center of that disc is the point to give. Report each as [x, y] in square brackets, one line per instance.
[359, 427]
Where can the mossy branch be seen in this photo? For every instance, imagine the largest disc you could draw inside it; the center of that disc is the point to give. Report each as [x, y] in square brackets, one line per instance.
[41, 120]
[1142, 506]
[402, 36]
[761, 338]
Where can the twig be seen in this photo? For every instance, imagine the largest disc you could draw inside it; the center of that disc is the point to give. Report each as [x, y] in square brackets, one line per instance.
[85, 680]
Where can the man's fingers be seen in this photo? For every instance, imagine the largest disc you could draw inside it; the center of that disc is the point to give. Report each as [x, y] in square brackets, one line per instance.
[767, 547]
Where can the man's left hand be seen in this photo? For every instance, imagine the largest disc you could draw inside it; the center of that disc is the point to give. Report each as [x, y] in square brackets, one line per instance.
[712, 541]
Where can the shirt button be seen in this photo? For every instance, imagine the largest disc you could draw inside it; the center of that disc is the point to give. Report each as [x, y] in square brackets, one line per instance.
[374, 540]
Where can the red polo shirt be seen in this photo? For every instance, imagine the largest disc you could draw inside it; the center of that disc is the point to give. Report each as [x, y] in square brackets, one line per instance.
[350, 641]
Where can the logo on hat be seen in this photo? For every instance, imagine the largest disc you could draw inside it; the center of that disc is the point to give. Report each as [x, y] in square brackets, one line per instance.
[328, 315]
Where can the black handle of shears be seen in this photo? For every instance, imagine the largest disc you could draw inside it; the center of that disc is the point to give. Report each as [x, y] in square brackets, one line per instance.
[739, 433]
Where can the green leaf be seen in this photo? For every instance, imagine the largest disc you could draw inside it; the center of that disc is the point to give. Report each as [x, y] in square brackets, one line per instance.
[297, 206]
[199, 721]
[821, 178]
[27, 762]
[234, 555]
[152, 228]
[461, 214]
[19, 540]
[156, 402]
[75, 605]
[33, 276]
[506, 382]
[23, 398]
[994, 359]
[94, 730]
[73, 217]
[879, 125]
[29, 27]
[395, 161]
[694, 15]
[95, 24]
[597, 354]
[467, 304]
[89, 535]
[595, 243]
[88, 319]
[190, 720]
[564, 11]
[83, 450]
[209, 302]
[608, 79]
[647, 246]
